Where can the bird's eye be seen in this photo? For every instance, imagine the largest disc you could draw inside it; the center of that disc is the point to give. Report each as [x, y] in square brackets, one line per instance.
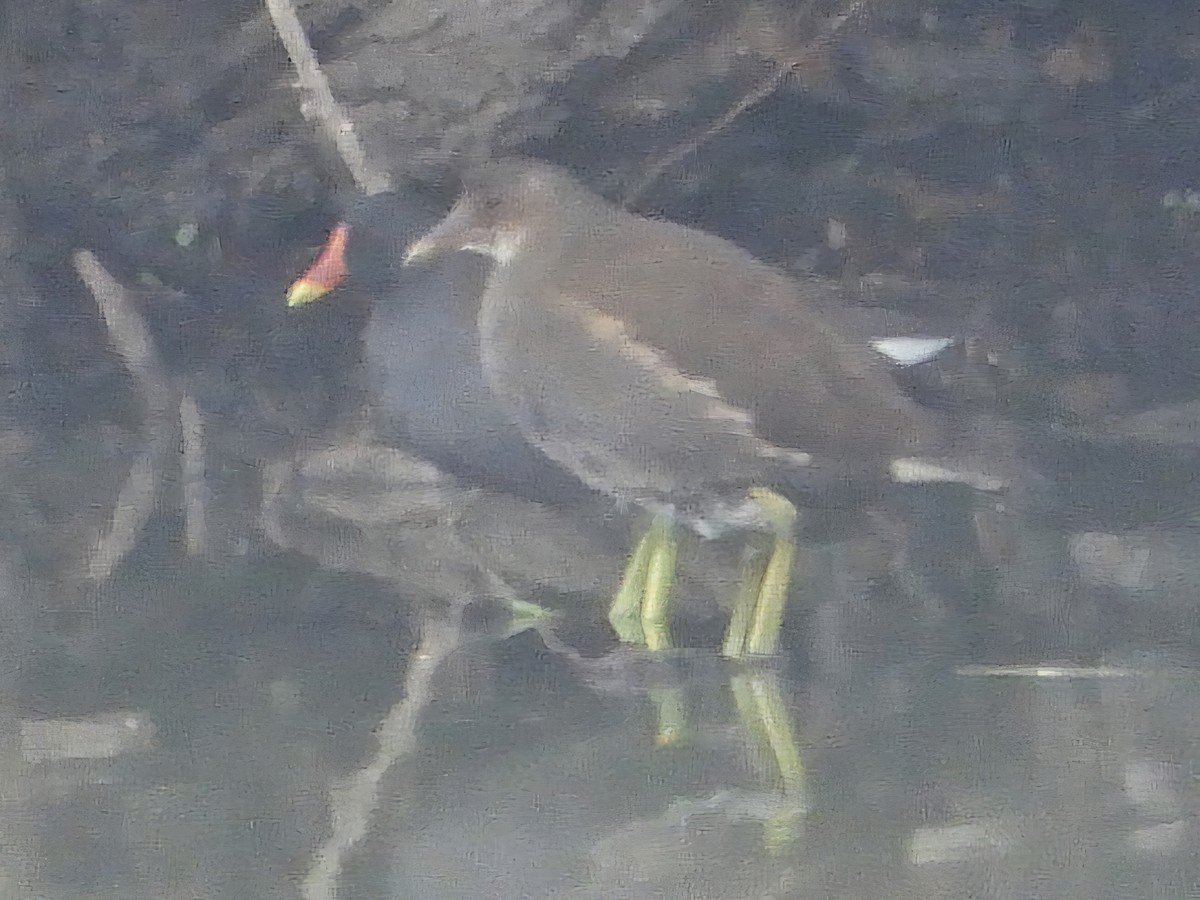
[491, 203]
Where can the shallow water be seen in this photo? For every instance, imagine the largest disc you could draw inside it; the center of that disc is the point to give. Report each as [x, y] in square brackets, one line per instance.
[925, 771]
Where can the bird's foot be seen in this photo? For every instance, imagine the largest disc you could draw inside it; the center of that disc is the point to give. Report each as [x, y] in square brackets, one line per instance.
[525, 616]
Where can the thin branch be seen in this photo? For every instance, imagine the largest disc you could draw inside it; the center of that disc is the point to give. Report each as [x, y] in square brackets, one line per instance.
[133, 343]
[194, 485]
[128, 333]
[755, 96]
[318, 104]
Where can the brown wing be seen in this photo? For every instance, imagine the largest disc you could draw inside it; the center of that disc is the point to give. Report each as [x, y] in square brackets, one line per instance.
[718, 313]
[614, 410]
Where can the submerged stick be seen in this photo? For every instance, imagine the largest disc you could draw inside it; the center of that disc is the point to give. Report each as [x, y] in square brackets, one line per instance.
[132, 341]
[352, 803]
[192, 444]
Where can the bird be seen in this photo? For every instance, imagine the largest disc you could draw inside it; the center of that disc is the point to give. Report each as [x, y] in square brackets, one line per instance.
[425, 389]
[671, 370]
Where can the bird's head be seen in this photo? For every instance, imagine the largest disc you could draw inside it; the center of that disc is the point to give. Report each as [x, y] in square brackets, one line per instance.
[504, 206]
[364, 248]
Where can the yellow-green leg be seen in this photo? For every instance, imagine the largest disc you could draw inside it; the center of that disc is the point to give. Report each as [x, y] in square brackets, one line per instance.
[734, 645]
[640, 614]
[625, 614]
[660, 575]
[640, 611]
[762, 596]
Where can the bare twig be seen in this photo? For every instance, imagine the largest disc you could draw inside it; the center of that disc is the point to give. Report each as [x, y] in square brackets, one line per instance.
[194, 485]
[318, 104]
[133, 343]
[128, 333]
[760, 92]
[1048, 671]
[352, 803]
[130, 513]
[755, 96]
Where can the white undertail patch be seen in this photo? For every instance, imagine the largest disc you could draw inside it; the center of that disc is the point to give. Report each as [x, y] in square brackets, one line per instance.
[910, 351]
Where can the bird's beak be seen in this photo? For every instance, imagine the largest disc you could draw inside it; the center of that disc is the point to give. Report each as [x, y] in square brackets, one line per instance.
[460, 230]
[326, 272]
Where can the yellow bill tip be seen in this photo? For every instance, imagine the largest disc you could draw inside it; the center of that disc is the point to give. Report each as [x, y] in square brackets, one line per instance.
[304, 292]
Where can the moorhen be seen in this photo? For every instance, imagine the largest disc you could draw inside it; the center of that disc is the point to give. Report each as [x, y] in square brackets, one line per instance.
[426, 393]
[671, 369]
